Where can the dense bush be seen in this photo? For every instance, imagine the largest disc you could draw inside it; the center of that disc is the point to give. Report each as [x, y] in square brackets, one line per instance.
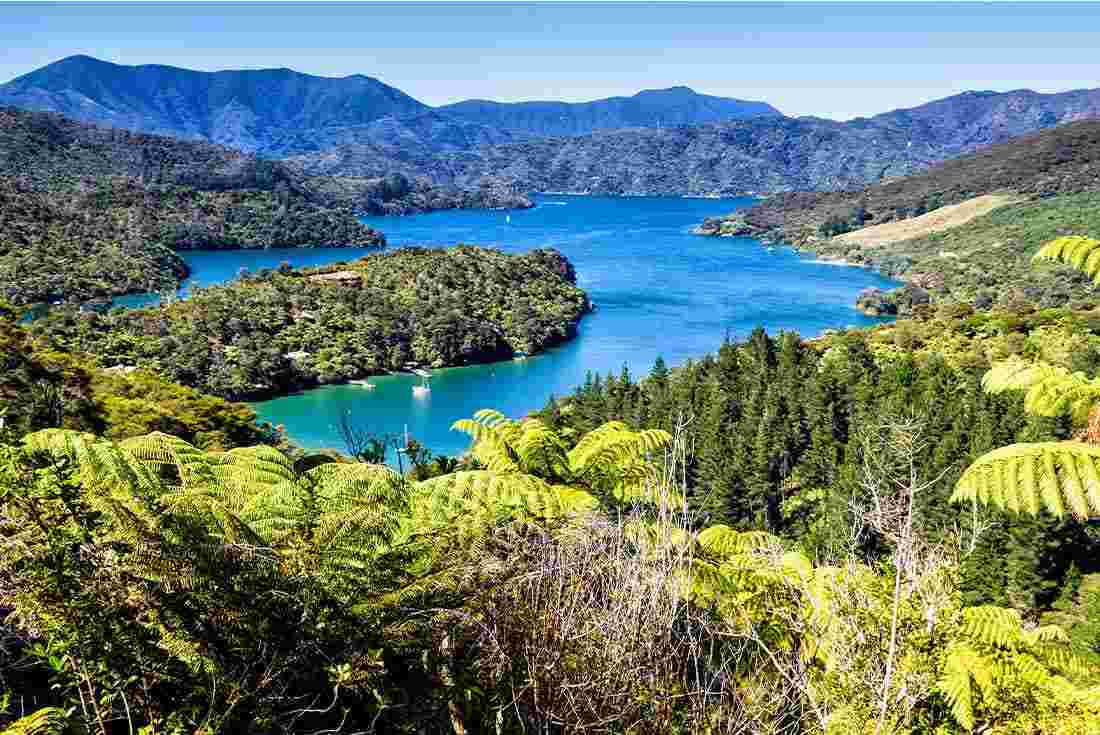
[277, 331]
[158, 588]
[88, 213]
[775, 426]
[43, 387]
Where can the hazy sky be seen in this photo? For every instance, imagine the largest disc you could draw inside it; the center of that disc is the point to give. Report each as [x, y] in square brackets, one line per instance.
[833, 60]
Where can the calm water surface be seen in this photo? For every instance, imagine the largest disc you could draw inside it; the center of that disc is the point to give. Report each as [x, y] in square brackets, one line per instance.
[658, 289]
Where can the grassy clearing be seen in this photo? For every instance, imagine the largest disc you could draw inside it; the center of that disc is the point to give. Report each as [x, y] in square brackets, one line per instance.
[938, 220]
[988, 259]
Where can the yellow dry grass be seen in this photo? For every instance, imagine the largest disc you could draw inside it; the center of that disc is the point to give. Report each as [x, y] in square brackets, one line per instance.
[937, 220]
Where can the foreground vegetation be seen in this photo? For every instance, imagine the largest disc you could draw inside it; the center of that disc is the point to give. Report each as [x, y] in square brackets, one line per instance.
[564, 585]
[283, 330]
[777, 539]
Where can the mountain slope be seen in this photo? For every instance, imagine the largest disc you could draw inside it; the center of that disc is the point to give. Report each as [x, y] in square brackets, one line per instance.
[48, 151]
[1064, 160]
[279, 112]
[243, 109]
[1027, 191]
[359, 127]
[763, 154]
[647, 109]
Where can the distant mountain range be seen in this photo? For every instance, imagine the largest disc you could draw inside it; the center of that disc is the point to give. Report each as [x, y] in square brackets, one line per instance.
[762, 154]
[279, 112]
[652, 108]
[672, 141]
[241, 109]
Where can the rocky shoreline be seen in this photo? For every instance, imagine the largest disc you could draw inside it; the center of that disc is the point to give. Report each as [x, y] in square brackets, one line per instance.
[728, 226]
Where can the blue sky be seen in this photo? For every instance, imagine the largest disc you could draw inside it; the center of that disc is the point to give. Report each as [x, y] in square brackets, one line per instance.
[832, 60]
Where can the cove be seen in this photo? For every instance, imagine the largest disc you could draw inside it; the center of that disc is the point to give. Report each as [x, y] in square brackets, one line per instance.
[658, 291]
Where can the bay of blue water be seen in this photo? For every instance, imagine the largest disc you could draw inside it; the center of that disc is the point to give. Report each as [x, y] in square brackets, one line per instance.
[658, 289]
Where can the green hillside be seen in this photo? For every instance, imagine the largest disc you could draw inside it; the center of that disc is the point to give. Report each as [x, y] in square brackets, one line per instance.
[988, 261]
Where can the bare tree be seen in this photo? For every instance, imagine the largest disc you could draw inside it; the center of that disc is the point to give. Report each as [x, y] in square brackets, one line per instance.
[363, 443]
[888, 508]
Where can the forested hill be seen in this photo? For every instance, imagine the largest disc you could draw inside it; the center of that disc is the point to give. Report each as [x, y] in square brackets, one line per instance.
[650, 108]
[88, 212]
[279, 331]
[965, 230]
[1063, 160]
[49, 151]
[762, 154]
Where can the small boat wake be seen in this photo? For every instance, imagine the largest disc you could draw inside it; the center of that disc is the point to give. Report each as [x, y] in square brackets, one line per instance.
[821, 261]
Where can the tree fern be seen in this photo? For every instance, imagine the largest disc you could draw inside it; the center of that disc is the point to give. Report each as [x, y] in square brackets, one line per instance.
[472, 499]
[1049, 390]
[612, 460]
[1058, 476]
[1061, 476]
[46, 721]
[994, 656]
[1082, 253]
[495, 440]
[616, 461]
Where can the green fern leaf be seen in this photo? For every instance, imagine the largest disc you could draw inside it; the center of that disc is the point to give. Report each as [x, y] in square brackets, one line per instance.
[1059, 476]
[1076, 251]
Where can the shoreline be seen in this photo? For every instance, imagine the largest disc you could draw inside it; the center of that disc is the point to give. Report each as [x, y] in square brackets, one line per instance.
[262, 397]
[774, 237]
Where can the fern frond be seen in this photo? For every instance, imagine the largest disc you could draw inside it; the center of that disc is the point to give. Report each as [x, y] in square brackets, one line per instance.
[190, 466]
[1059, 476]
[46, 721]
[614, 459]
[1050, 390]
[994, 626]
[955, 683]
[722, 542]
[1075, 251]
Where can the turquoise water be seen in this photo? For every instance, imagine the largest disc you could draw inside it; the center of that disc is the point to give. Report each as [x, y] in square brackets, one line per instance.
[658, 289]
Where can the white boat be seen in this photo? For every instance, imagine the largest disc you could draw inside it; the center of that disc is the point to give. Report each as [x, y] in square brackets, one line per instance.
[362, 384]
[421, 372]
[422, 390]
